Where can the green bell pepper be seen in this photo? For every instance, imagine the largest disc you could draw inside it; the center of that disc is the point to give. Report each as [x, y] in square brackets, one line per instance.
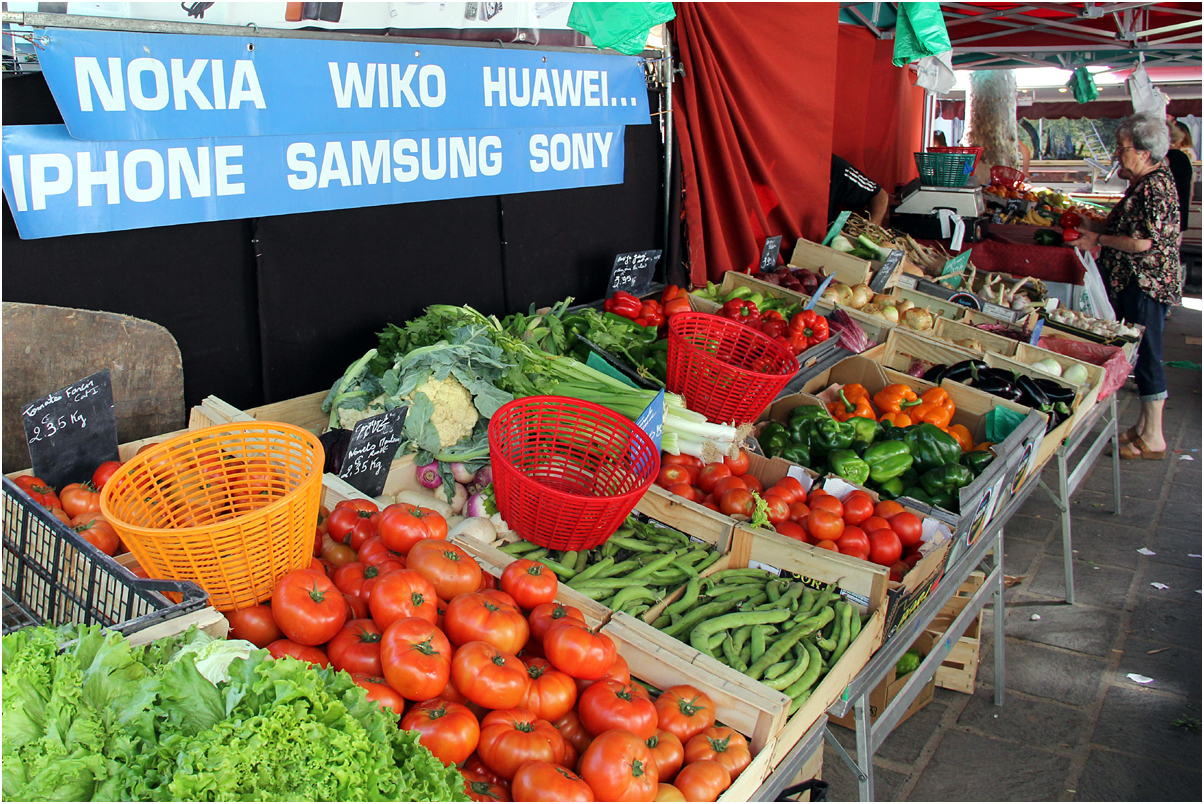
[797, 453]
[832, 435]
[773, 439]
[845, 463]
[977, 460]
[944, 500]
[948, 479]
[809, 412]
[916, 493]
[890, 489]
[892, 433]
[865, 431]
[888, 459]
[910, 476]
[931, 447]
[801, 430]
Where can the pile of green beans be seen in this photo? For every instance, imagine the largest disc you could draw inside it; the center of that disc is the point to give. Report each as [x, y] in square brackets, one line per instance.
[632, 571]
[780, 632]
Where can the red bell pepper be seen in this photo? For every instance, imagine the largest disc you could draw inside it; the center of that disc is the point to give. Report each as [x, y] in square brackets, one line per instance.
[772, 323]
[675, 306]
[624, 304]
[651, 314]
[1070, 220]
[672, 292]
[741, 310]
[1069, 235]
[811, 325]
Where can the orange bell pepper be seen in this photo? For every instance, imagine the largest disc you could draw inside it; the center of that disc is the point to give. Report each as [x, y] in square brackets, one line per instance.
[896, 398]
[962, 434]
[935, 408]
[983, 445]
[897, 419]
[854, 401]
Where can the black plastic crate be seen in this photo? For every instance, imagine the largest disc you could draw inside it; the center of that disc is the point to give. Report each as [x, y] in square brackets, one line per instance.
[54, 576]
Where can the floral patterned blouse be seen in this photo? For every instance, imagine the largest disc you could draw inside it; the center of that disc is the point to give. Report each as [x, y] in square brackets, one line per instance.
[1149, 211]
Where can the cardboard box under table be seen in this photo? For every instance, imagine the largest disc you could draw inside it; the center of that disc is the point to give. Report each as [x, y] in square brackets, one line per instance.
[888, 689]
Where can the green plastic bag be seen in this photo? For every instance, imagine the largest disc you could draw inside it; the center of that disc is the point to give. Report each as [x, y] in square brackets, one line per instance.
[1001, 422]
[919, 32]
[621, 26]
[1082, 84]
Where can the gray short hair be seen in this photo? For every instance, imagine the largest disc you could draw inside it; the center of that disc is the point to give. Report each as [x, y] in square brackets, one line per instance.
[1149, 132]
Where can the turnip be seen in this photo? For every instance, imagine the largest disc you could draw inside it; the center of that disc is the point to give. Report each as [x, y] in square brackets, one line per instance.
[428, 475]
[475, 506]
[462, 473]
[483, 478]
[477, 527]
[424, 501]
[459, 497]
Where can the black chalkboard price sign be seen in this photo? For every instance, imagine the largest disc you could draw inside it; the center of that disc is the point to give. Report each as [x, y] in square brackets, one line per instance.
[374, 442]
[632, 273]
[879, 280]
[72, 431]
[769, 254]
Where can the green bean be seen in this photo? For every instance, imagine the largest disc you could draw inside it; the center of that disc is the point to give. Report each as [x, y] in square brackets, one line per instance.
[740, 636]
[583, 561]
[693, 618]
[638, 610]
[825, 644]
[746, 657]
[748, 574]
[752, 602]
[593, 569]
[662, 622]
[732, 656]
[757, 643]
[688, 599]
[622, 568]
[772, 590]
[609, 549]
[807, 601]
[635, 545]
[783, 644]
[537, 553]
[652, 566]
[569, 558]
[842, 642]
[714, 556]
[695, 555]
[517, 548]
[715, 641]
[631, 594]
[561, 570]
[702, 632]
[854, 626]
[797, 669]
[792, 593]
[736, 592]
[671, 576]
[802, 687]
[776, 670]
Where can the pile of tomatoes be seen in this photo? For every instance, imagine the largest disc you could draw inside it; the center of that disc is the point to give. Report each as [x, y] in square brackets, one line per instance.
[495, 675]
[882, 532]
[77, 505]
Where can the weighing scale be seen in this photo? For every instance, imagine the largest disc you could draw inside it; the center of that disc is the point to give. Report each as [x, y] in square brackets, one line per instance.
[918, 214]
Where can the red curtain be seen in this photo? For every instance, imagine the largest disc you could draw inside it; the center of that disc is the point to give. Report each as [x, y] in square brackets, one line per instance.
[754, 124]
[770, 91]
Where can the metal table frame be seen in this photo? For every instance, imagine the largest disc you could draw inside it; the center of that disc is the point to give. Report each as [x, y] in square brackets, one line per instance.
[870, 735]
[793, 762]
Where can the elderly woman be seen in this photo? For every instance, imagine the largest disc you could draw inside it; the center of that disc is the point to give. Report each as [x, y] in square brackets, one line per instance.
[1139, 253]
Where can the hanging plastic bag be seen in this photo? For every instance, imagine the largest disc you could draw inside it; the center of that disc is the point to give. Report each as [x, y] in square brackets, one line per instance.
[919, 32]
[620, 26]
[1145, 96]
[1001, 422]
[935, 73]
[1082, 84]
[1092, 298]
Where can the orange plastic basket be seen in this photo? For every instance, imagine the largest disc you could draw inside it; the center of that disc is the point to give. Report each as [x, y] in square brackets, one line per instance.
[232, 507]
[566, 473]
[726, 371]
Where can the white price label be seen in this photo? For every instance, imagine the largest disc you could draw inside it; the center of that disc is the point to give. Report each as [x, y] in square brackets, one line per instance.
[766, 567]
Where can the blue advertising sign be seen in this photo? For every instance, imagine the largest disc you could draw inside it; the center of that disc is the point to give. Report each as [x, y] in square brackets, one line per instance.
[652, 420]
[57, 185]
[112, 85]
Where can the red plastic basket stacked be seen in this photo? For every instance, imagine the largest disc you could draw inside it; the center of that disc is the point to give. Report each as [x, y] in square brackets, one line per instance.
[959, 149]
[1004, 176]
[566, 473]
[726, 371]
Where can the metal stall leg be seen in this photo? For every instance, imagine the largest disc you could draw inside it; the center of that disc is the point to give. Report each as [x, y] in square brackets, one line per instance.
[1067, 553]
[1000, 675]
[865, 754]
[1115, 456]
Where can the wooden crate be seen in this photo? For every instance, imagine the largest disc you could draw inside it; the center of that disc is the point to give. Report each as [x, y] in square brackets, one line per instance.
[903, 347]
[953, 331]
[208, 619]
[846, 268]
[960, 669]
[941, 309]
[1089, 392]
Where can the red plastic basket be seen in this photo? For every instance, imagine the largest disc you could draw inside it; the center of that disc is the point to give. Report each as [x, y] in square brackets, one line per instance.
[566, 473]
[726, 371]
[959, 149]
[1004, 176]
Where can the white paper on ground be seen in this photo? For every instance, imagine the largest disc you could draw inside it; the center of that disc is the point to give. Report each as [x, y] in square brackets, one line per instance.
[1157, 585]
[1140, 679]
[1146, 551]
[1035, 617]
[1186, 458]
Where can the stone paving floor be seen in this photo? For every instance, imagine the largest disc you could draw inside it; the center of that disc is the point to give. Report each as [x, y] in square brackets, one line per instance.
[1074, 727]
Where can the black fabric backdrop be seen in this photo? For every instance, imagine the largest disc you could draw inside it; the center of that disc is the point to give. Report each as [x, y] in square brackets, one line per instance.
[277, 307]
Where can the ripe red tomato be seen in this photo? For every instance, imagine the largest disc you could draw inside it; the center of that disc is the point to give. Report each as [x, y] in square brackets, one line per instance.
[488, 677]
[545, 615]
[912, 560]
[357, 608]
[416, 658]
[703, 780]
[478, 787]
[551, 693]
[853, 542]
[512, 737]
[364, 530]
[667, 754]
[751, 482]
[449, 568]
[667, 792]
[908, 528]
[97, 530]
[573, 732]
[671, 475]
[726, 484]
[486, 617]
[685, 711]
[579, 651]
[373, 552]
[613, 705]
[619, 671]
[379, 692]
[400, 594]
[817, 491]
[739, 464]
[530, 583]
[77, 498]
[725, 746]
[39, 490]
[685, 490]
[403, 526]
[790, 490]
[449, 730]
[711, 474]
[799, 511]
[827, 544]
[887, 508]
[709, 504]
[356, 648]
[355, 578]
[779, 509]
[792, 530]
[344, 519]
[823, 524]
[897, 570]
[885, 548]
[857, 508]
[103, 472]
[306, 653]
[874, 523]
[618, 766]
[544, 781]
[738, 502]
[308, 607]
[254, 624]
[828, 503]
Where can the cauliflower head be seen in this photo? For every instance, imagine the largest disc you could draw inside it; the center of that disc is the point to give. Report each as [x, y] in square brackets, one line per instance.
[455, 416]
[349, 416]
